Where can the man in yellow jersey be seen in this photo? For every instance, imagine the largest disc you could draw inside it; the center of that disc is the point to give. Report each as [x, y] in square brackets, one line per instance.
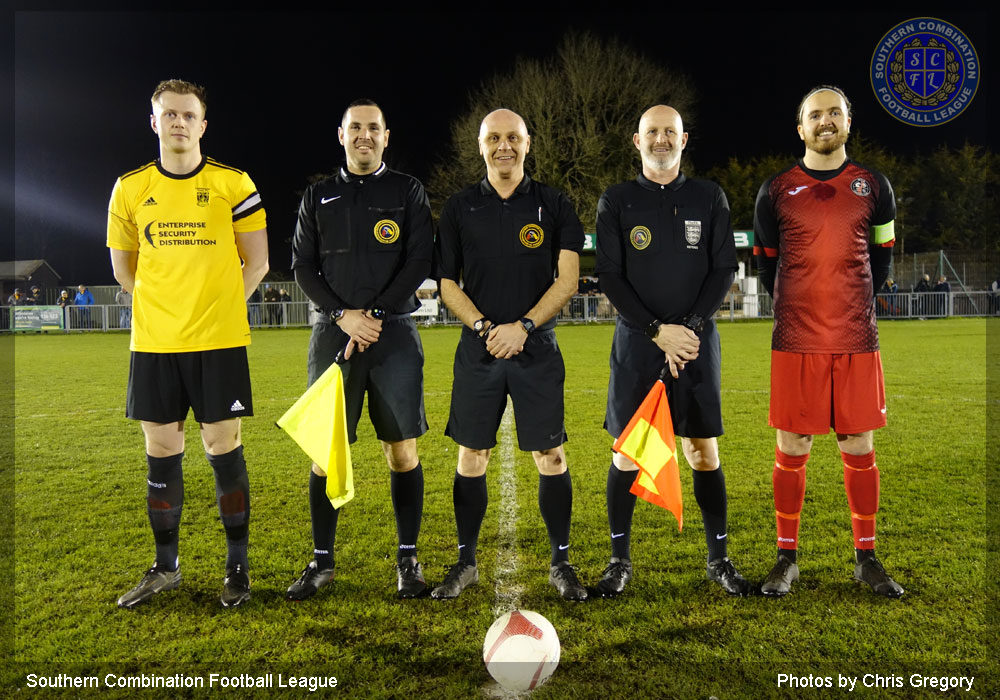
[188, 240]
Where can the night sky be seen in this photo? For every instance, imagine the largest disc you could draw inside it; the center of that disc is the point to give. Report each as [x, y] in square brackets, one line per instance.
[278, 83]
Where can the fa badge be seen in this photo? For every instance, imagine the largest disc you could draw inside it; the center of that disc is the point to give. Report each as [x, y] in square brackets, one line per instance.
[692, 233]
[532, 236]
[640, 237]
[860, 187]
[925, 71]
[386, 231]
[202, 196]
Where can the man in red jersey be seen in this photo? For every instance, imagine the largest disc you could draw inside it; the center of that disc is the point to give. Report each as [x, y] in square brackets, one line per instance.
[824, 235]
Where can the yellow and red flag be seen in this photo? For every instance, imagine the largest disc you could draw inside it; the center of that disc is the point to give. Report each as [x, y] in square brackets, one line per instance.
[648, 440]
[318, 423]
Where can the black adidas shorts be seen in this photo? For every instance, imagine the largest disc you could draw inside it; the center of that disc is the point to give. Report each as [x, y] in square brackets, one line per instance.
[214, 383]
[695, 397]
[391, 371]
[534, 380]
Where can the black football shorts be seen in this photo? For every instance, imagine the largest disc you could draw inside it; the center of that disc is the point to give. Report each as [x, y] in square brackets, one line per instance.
[534, 380]
[391, 371]
[214, 383]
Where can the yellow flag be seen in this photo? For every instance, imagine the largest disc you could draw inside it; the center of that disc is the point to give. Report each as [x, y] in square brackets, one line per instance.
[318, 423]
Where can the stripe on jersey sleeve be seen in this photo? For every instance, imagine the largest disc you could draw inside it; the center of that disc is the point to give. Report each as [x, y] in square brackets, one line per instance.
[247, 207]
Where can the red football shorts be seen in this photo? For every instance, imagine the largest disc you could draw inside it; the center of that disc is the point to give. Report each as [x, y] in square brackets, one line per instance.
[813, 392]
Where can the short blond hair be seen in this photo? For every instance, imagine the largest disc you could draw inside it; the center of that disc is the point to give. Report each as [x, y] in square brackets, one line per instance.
[181, 87]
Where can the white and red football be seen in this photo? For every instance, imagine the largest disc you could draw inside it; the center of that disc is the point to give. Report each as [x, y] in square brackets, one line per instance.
[521, 650]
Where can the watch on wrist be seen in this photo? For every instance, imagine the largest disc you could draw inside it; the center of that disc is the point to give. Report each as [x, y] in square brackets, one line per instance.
[694, 322]
[482, 325]
[336, 314]
[652, 329]
[377, 314]
[528, 325]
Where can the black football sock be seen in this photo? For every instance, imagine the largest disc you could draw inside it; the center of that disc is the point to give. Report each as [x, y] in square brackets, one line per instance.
[232, 492]
[710, 493]
[470, 497]
[324, 521]
[555, 500]
[164, 502]
[407, 489]
[790, 554]
[621, 505]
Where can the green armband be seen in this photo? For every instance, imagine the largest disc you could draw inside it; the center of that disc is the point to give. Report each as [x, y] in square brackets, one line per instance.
[883, 233]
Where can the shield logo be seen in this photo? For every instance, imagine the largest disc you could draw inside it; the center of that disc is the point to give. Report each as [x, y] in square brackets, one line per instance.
[692, 233]
[202, 196]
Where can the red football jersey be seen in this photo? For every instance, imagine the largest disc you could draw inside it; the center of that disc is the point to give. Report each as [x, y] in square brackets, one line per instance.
[820, 224]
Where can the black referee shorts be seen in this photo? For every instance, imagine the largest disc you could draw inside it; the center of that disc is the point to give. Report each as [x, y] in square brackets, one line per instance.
[391, 371]
[163, 385]
[695, 398]
[534, 380]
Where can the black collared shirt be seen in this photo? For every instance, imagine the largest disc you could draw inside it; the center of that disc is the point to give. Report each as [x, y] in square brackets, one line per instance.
[364, 241]
[506, 251]
[665, 251]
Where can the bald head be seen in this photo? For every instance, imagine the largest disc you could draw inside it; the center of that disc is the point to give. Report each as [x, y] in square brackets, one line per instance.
[502, 119]
[660, 141]
[503, 143]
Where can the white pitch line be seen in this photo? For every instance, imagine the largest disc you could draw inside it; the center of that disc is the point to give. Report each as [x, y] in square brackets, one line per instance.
[506, 590]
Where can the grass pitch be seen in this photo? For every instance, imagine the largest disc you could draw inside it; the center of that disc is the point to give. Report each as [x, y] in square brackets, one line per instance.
[82, 538]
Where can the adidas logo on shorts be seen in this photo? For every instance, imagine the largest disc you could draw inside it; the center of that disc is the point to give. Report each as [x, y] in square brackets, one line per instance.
[237, 406]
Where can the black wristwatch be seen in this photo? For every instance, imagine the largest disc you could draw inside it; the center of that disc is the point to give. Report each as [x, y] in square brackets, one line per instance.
[482, 325]
[528, 325]
[336, 314]
[694, 322]
[377, 314]
[652, 329]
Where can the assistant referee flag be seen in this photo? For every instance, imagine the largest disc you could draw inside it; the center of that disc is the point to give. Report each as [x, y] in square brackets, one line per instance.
[318, 423]
[648, 440]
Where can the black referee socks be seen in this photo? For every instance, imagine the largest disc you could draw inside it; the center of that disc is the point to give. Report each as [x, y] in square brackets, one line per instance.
[407, 489]
[324, 521]
[710, 493]
[621, 505]
[555, 500]
[164, 501]
[232, 492]
[470, 497]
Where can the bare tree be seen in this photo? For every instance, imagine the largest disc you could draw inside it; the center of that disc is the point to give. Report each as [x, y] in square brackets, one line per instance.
[581, 105]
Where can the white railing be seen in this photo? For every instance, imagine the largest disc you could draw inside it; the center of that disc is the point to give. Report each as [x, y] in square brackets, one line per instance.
[580, 309]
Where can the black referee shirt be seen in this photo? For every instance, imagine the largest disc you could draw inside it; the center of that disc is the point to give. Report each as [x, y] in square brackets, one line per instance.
[364, 241]
[665, 251]
[506, 251]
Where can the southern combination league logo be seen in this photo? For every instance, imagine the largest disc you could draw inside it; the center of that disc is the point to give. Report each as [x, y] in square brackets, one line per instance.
[925, 71]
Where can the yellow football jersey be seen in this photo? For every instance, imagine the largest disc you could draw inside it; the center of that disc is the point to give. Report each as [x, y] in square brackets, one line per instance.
[188, 292]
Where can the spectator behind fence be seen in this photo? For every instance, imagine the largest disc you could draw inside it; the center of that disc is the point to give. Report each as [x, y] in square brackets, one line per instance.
[283, 298]
[923, 286]
[943, 288]
[271, 298]
[887, 303]
[64, 301]
[34, 296]
[124, 300]
[84, 298]
[16, 298]
[253, 308]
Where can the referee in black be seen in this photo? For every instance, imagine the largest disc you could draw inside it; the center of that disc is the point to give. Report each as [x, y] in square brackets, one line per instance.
[666, 259]
[515, 246]
[363, 245]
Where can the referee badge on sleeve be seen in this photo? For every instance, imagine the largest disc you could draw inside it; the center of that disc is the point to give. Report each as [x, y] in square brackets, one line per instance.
[386, 231]
[640, 237]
